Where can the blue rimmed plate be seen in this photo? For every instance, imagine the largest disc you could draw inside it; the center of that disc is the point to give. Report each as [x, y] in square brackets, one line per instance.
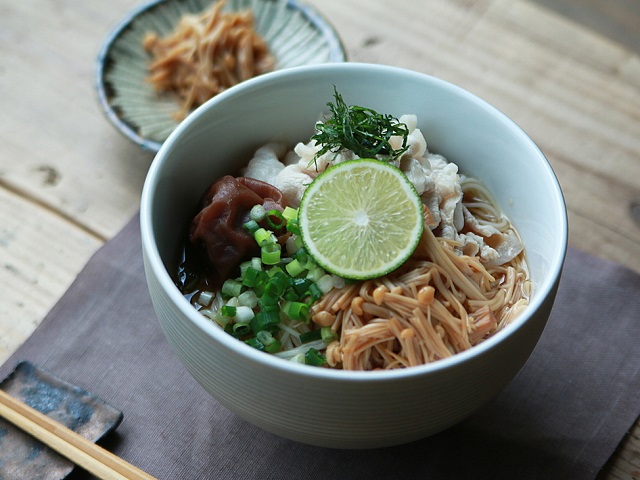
[295, 32]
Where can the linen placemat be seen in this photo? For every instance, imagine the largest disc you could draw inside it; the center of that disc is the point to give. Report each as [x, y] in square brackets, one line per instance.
[560, 418]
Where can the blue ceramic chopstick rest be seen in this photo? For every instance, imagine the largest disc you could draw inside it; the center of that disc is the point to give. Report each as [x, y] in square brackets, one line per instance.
[23, 457]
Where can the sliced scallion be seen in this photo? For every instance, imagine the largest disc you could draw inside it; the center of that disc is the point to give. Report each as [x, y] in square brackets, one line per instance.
[316, 274]
[301, 286]
[257, 213]
[251, 226]
[269, 303]
[295, 268]
[289, 213]
[298, 358]
[271, 344]
[241, 329]
[310, 336]
[248, 299]
[263, 236]
[293, 226]
[273, 347]
[314, 292]
[325, 283]
[265, 337]
[244, 314]
[314, 357]
[250, 277]
[231, 288]
[270, 253]
[298, 311]
[265, 321]
[228, 311]
[275, 219]
[205, 298]
[277, 285]
[256, 263]
[255, 343]
[328, 335]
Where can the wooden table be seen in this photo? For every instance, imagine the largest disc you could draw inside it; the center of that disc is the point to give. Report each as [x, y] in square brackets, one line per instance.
[69, 181]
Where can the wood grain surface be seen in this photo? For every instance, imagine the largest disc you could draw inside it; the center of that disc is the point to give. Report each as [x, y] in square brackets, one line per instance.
[69, 181]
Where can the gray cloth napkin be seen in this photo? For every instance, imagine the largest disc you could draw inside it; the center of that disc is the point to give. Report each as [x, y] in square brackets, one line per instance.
[560, 418]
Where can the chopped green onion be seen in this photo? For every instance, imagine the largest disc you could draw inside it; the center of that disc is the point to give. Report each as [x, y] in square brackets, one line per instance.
[231, 288]
[269, 303]
[325, 283]
[328, 335]
[270, 253]
[260, 283]
[265, 321]
[248, 299]
[314, 292]
[221, 320]
[298, 311]
[244, 314]
[241, 329]
[273, 270]
[271, 344]
[293, 244]
[310, 264]
[314, 357]
[244, 266]
[338, 282]
[250, 277]
[273, 347]
[310, 336]
[255, 343]
[277, 285]
[256, 263]
[228, 311]
[298, 358]
[232, 302]
[279, 221]
[251, 226]
[301, 286]
[272, 284]
[265, 337]
[290, 295]
[257, 213]
[294, 268]
[290, 213]
[293, 226]
[301, 254]
[205, 298]
[305, 259]
[264, 236]
[316, 274]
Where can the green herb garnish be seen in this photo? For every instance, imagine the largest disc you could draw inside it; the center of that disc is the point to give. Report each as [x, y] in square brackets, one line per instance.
[361, 130]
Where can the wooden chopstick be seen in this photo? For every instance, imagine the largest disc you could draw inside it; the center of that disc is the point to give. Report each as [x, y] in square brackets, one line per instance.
[66, 442]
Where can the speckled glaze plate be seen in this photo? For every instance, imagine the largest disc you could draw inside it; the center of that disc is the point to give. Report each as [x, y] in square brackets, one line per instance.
[24, 458]
[296, 34]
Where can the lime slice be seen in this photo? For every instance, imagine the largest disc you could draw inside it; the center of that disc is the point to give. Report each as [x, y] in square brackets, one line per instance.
[361, 219]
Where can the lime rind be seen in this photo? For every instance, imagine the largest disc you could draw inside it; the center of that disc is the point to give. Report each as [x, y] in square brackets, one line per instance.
[361, 219]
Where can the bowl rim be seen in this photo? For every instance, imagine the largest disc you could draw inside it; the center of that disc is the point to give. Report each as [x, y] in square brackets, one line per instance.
[163, 278]
[338, 54]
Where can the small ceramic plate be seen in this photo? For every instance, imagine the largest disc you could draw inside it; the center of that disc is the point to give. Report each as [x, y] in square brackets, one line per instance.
[296, 34]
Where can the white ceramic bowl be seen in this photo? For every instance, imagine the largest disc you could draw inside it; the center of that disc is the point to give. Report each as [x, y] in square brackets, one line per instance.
[336, 408]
